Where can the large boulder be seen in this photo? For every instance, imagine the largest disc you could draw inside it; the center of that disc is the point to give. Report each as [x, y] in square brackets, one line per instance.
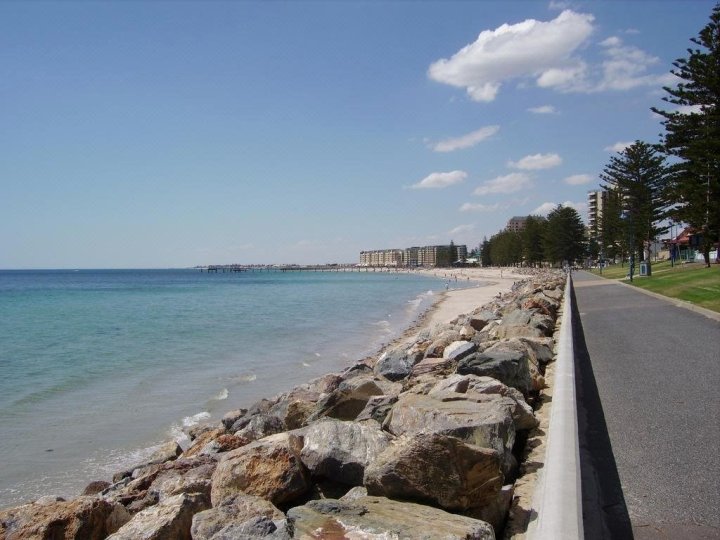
[351, 396]
[438, 470]
[510, 361]
[478, 419]
[230, 513]
[170, 519]
[458, 350]
[377, 408]
[270, 468]
[397, 364]
[378, 517]
[84, 518]
[340, 451]
[259, 426]
[523, 323]
[522, 414]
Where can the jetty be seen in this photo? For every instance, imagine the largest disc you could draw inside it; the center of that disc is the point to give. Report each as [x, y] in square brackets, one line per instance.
[224, 268]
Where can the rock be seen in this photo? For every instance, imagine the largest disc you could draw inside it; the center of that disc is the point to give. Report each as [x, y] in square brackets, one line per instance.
[496, 511]
[376, 408]
[201, 441]
[270, 468]
[510, 362]
[479, 319]
[432, 365]
[176, 481]
[193, 432]
[438, 470]
[458, 350]
[524, 323]
[442, 340]
[234, 510]
[351, 396]
[340, 451]
[482, 420]
[95, 487]
[378, 517]
[165, 452]
[542, 304]
[355, 493]
[259, 426]
[522, 414]
[137, 493]
[294, 411]
[397, 364]
[84, 518]
[262, 406]
[467, 332]
[216, 442]
[170, 519]
[233, 416]
[254, 528]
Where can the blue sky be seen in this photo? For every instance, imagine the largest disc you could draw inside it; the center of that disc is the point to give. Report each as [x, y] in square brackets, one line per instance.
[162, 134]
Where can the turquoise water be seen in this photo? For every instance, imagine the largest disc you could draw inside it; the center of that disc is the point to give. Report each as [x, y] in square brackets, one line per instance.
[99, 366]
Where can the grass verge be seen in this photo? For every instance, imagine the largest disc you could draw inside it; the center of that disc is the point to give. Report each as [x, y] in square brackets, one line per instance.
[691, 282]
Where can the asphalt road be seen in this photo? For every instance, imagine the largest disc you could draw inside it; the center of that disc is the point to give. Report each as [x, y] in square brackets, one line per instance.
[649, 399]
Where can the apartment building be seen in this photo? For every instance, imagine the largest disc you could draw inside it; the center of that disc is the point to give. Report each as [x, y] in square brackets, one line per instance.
[516, 223]
[413, 257]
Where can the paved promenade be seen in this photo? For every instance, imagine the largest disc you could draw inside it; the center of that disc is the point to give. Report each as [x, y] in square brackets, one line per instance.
[649, 398]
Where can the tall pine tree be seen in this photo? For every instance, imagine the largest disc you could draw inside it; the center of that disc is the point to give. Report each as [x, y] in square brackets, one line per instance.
[692, 135]
[638, 178]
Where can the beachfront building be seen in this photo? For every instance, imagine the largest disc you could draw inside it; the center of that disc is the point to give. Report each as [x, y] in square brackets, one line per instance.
[516, 223]
[597, 200]
[414, 257]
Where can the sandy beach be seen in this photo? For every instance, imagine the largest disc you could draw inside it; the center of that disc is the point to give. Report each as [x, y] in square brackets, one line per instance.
[489, 283]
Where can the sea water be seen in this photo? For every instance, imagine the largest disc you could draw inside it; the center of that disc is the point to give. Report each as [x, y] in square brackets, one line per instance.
[99, 366]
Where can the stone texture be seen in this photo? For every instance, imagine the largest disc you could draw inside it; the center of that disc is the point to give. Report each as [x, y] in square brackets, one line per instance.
[438, 470]
[84, 518]
[270, 468]
[233, 511]
[510, 362]
[340, 451]
[381, 518]
[458, 350]
[233, 416]
[170, 519]
[442, 340]
[259, 426]
[482, 420]
[351, 396]
[397, 364]
[377, 408]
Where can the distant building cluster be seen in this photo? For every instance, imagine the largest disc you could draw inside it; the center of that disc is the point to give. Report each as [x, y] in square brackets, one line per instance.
[413, 257]
[597, 200]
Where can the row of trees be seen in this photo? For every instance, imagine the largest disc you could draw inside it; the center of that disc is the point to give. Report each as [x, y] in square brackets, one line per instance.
[677, 179]
[557, 239]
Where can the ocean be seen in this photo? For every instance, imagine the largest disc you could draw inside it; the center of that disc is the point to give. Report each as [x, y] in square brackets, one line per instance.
[100, 366]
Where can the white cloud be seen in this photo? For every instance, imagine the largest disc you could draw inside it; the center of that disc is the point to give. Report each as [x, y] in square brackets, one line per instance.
[618, 146]
[690, 109]
[543, 109]
[626, 67]
[479, 207]
[535, 49]
[558, 5]
[510, 183]
[545, 208]
[461, 229]
[466, 141]
[536, 162]
[578, 179]
[438, 180]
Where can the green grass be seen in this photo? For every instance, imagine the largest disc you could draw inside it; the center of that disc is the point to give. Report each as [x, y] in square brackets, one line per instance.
[691, 282]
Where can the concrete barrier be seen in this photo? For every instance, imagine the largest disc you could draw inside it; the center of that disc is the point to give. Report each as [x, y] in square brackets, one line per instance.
[558, 497]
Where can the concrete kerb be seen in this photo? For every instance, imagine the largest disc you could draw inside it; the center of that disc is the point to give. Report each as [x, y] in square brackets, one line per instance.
[558, 496]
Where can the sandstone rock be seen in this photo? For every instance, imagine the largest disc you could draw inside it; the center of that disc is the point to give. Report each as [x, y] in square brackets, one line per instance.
[170, 519]
[355, 493]
[270, 468]
[480, 318]
[201, 441]
[234, 510]
[431, 365]
[436, 469]
[84, 518]
[340, 451]
[175, 481]
[458, 350]
[193, 432]
[482, 420]
[542, 304]
[255, 528]
[467, 331]
[397, 364]
[496, 511]
[294, 410]
[378, 517]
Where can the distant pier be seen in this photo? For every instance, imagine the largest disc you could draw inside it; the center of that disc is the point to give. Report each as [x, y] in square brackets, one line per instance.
[224, 268]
